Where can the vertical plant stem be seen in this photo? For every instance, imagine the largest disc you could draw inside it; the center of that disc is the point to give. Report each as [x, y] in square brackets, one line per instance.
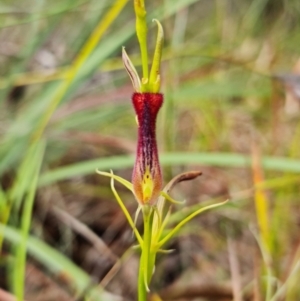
[141, 31]
[144, 273]
[142, 292]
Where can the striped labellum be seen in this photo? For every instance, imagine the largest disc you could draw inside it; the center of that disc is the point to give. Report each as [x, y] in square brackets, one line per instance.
[146, 177]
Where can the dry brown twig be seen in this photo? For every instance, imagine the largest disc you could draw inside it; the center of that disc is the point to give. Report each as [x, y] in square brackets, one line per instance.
[86, 232]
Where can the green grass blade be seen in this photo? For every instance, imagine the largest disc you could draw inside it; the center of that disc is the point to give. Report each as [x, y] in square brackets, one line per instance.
[59, 265]
[207, 159]
[20, 262]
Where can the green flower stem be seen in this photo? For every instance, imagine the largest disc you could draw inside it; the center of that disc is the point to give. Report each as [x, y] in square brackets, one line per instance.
[151, 262]
[144, 272]
[141, 31]
[147, 213]
[142, 291]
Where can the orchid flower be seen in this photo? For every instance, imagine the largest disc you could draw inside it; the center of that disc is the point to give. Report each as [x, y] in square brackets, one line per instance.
[146, 185]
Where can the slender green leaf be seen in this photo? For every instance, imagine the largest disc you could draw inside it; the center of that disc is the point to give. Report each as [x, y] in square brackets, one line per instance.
[207, 159]
[59, 265]
[20, 262]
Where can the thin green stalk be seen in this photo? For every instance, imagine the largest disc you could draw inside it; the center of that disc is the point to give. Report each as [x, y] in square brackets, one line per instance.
[183, 222]
[267, 262]
[147, 211]
[126, 213]
[142, 292]
[141, 31]
[20, 264]
[4, 212]
[151, 263]
[279, 295]
[144, 272]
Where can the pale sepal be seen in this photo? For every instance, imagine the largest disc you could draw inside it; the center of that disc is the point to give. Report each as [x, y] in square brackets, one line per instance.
[135, 79]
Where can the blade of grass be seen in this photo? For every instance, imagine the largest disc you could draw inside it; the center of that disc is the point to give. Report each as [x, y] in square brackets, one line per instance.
[262, 214]
[267, 261]
[212, 159]
[59, 265]
[4, 212]
[24, 177]
[261, 201]
[79, 61]
[20, 261]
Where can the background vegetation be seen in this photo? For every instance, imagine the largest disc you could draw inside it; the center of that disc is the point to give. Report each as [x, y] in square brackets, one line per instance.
[231, 110]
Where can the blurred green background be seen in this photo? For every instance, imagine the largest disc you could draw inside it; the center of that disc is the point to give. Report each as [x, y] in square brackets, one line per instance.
[231, 81]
